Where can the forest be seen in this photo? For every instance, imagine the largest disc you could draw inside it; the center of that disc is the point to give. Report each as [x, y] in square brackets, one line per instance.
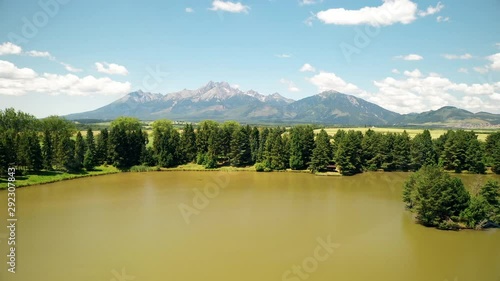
[53, 143]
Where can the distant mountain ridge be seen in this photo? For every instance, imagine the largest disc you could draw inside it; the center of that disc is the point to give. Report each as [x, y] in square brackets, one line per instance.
[219, 101]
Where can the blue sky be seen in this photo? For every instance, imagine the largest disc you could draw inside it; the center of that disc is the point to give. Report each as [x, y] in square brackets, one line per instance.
[66, 56]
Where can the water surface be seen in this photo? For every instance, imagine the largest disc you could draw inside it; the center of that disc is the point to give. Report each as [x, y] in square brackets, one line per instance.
[257, 228]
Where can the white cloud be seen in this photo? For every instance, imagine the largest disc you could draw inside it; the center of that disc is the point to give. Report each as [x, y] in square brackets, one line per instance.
[495, 61]
[395, 71]
[495, 97]
[442, 19]
[291, 86]
[230, 7]
[70, 68]
[480, 69]
[189, 10]
[431, 10]
[309, 2]
[20, 81]
[39, 54]
[8, 48]
[463, 70]
[410, 57]
[417, 92]
[9, 71]
[390, 12]
[111, 68]
[458, 57]
[283, 56]
[307, 68]
[326, 81]
[415, 73]
[497, 45]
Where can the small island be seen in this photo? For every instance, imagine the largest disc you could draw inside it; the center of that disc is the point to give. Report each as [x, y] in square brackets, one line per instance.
[440, 200]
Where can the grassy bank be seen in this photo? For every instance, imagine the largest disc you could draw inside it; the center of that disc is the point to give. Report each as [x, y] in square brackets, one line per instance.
[44, 177]
[196, 167]
[54, 176]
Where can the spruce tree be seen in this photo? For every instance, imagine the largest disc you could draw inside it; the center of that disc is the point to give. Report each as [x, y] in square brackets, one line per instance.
[254, 144]
[188, 144]
[402, 151]
[79, 150]
[296, 157]
[102, 147]
[90, 158]
[35, 161]
[240, 152]
[422, 150]
[47, 150]
[321, 153]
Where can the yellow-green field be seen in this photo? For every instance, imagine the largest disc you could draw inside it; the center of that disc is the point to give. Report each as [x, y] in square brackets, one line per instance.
[435, 133]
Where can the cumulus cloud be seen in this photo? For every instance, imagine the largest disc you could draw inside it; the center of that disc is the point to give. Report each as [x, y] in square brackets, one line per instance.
[9, 48]
[463, 70]
[417, 92]
[111, 68]
[20, 81]
[231, 7]
[431, 10]
[326, 81]
[307, 68]
[495, 61]
[415, 73]
[9, 71]
[290, 85]
[458, 57]
[189, 10]
[410, 57]
[395, 71]
[389, 13]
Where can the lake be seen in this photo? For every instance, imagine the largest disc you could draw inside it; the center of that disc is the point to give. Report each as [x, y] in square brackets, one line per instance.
[237, 226]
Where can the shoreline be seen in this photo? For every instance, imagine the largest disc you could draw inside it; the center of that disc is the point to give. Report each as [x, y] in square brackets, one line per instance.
[108, 170]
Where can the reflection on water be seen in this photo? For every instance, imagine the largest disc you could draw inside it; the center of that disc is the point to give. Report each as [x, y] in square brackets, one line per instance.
[258, 227]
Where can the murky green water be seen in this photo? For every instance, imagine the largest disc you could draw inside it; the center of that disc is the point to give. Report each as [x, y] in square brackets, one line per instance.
[256, 227]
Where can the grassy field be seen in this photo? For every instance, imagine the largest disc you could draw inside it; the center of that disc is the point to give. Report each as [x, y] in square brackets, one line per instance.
[435, 133]
[54, 176]
[196, 167]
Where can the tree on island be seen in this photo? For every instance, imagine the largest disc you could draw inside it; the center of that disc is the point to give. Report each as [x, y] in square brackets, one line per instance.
[439, 200]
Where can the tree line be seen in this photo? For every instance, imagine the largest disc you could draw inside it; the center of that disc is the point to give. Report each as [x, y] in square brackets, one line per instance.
[53, 143]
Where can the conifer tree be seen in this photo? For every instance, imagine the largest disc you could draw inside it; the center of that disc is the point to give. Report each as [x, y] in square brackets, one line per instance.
[321, 153]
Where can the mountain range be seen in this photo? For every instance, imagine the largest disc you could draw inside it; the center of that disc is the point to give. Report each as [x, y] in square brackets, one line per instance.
[219, 101]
